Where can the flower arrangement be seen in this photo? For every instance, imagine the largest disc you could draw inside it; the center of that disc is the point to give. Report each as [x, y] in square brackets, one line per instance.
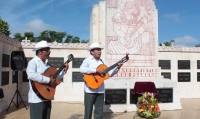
[147, 106]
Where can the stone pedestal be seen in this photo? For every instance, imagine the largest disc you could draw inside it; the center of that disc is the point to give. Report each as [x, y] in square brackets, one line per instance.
[128, 84]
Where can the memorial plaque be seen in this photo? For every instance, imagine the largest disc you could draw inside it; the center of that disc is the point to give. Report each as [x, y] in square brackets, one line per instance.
[134, 97]
[165, 64]
[115, 96]
[198, 76]
[5, 60]
[15, 77]
[166, 75]
[183, 76]
[183, 64]
[27, 59]
[198, 64]
[25, 77]
[165, 95]
[76, 62]
[4, 78]
[77, 77]
[56, 62]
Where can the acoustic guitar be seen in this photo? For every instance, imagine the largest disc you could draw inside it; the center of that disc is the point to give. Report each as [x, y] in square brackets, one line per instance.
[47, 91]
[95, 80]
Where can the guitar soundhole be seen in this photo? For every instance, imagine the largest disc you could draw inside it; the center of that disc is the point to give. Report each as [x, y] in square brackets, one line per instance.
[47, 88]
[102, 75]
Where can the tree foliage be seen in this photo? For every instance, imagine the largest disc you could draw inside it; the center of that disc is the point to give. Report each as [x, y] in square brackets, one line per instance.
[197, 45]
[50, 36]
[171, 43]
[4, 27]
[84, 41]
[18, 36]
[165, 43]
[30, 36]
[75, 40]
[68, 38]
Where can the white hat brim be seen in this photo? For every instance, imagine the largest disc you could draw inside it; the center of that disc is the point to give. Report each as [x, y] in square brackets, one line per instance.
[39, 48]
[94, 48]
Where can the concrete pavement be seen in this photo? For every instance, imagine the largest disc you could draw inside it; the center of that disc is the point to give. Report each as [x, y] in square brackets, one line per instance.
[61, 110]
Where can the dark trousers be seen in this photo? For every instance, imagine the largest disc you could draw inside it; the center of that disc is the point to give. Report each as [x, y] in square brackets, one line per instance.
[96, 99]
[40, 110]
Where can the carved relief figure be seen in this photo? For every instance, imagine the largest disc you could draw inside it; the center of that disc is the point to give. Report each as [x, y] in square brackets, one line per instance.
[133, 27]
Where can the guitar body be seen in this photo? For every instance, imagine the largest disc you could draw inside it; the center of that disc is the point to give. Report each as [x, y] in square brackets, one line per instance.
[95, 80]
[46, 91]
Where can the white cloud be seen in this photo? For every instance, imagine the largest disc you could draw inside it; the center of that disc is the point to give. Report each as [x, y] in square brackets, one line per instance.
[14, 19]
[186, 41]
[175, 16]
[36, 26]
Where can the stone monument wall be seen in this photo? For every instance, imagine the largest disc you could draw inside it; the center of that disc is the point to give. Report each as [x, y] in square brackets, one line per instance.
[131, 27]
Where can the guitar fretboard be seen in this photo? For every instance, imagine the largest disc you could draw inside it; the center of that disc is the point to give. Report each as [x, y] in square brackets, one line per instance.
[124, 59]
[111, 67]
[60, 69]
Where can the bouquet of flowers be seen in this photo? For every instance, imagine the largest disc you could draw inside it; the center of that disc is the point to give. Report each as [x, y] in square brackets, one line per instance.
[147, 106]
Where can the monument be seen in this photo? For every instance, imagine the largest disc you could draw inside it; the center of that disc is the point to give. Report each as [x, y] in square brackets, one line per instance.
[131, 26]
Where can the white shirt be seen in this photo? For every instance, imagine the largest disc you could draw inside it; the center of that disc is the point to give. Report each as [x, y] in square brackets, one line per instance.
[89, 66]
[35, 69]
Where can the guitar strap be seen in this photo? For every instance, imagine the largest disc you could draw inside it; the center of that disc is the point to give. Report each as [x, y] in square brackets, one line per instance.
[102, 61]
[49, 64]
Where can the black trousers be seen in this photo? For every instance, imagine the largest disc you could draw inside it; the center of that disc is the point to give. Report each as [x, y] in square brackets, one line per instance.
[96, 99]
[40, 110]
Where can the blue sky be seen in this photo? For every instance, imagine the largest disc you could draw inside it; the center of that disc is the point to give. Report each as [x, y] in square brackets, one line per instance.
[178, 20]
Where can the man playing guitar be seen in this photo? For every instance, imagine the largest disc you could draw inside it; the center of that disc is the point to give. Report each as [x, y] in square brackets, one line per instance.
[95, 96]
[40, 108]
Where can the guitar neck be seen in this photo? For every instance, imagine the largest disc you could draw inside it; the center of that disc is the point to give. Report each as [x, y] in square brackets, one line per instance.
[111, 67]
[123, 60]
[60, 69]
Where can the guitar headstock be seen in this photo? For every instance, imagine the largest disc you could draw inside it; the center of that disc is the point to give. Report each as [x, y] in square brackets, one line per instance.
[70, 58]
[125, 59]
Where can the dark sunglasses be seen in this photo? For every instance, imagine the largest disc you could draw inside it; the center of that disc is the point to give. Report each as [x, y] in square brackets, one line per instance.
[45, 49]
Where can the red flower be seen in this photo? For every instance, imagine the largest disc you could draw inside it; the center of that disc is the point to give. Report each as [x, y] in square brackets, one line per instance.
[143, 107]
[150, 104]
[156, 109]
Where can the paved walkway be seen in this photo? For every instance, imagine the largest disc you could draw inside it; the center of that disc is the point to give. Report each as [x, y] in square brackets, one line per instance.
[191, 110]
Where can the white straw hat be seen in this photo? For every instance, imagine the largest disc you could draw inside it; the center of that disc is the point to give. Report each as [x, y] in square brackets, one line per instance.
[40, 45]
[94, 45]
